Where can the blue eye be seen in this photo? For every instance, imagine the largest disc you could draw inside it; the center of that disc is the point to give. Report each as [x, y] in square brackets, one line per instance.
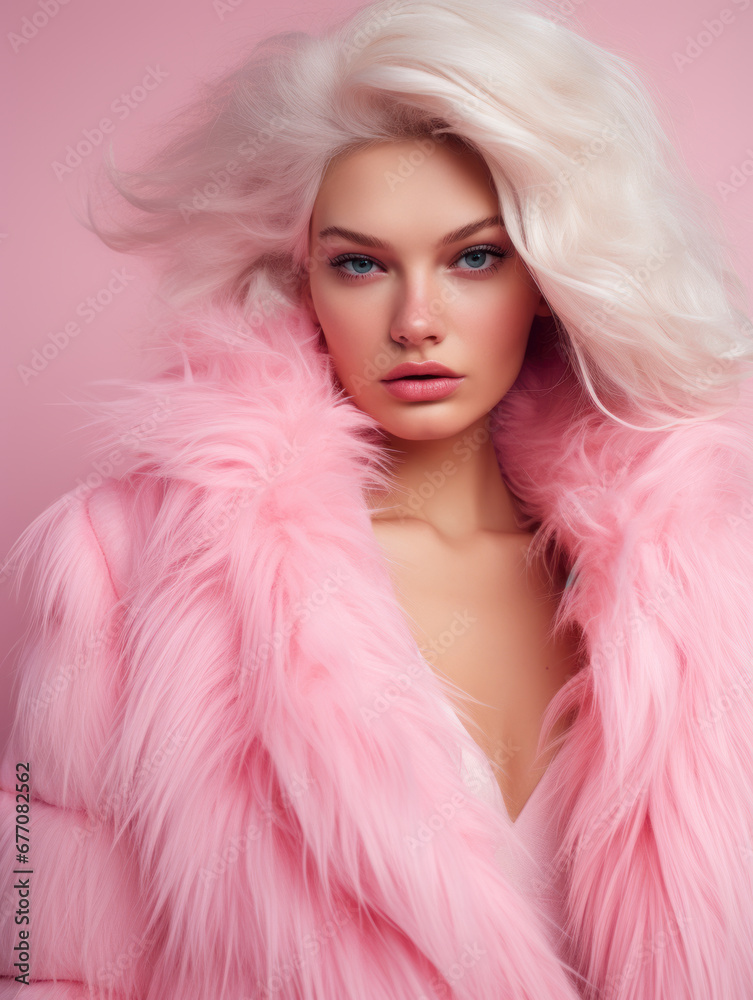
[360, 261]
[477, 258]
[361, 265]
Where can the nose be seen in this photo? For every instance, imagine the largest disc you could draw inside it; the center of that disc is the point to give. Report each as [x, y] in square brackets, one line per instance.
[418, 312]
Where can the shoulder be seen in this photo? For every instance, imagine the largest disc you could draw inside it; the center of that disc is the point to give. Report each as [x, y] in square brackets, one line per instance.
[86, 534]
[120, 514]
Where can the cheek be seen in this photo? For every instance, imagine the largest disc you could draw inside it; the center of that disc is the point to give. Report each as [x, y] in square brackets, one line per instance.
[497, 323]
[348, 348]
[351, 328]
[336, 311]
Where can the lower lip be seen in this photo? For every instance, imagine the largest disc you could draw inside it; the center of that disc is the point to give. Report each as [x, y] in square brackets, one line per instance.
[420, 390]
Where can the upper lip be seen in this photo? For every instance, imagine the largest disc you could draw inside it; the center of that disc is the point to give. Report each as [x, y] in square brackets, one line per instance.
[408, 368]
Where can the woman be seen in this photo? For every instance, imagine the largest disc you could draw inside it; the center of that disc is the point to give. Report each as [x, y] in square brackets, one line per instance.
[385, 682]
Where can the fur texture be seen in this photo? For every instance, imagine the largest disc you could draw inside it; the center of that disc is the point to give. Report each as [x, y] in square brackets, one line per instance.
[244, 782]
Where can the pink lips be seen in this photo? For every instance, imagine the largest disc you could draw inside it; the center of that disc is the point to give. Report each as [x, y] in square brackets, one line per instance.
[421, 381]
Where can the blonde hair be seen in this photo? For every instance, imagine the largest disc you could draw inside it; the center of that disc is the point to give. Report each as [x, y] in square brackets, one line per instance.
[627, 251]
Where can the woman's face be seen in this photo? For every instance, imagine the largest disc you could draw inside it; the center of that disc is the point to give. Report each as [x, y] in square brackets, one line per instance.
[411, 263]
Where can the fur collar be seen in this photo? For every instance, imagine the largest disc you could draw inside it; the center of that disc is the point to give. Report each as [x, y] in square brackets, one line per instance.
[261, 632]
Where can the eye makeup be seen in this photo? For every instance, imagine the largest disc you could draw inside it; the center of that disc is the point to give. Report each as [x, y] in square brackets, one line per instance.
[488, 249]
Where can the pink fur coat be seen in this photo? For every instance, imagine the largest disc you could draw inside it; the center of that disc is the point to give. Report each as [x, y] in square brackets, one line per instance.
[243, 782]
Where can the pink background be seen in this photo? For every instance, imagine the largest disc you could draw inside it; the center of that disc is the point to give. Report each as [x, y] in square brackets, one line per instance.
[65, 79]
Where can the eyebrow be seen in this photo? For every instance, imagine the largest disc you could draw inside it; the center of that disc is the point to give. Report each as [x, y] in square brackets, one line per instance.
[371, 241]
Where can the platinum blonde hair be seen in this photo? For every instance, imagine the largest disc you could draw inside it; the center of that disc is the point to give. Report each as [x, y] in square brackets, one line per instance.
[628, 252]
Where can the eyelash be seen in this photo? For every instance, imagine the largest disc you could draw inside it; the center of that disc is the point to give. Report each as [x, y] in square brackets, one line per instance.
[494, 251]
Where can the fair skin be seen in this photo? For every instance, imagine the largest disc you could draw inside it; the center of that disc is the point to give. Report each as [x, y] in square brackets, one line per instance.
[449, 526]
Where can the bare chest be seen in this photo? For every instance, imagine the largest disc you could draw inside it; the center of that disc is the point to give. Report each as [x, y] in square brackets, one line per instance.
[482, 618]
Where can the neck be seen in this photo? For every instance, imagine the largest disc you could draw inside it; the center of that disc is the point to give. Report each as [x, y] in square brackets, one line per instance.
[454, 483]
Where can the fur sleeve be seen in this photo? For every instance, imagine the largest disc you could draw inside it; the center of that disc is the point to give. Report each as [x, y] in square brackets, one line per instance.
[85, 886]
[68, 669]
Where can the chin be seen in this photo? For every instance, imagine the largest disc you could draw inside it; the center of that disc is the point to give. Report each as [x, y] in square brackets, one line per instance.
[426, 425]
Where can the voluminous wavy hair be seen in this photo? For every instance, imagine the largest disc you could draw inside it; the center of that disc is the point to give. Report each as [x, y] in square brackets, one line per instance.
[628, 252]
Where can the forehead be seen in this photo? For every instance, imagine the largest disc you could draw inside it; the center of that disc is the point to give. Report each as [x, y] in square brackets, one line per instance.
[404, 179]
[403, 155]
